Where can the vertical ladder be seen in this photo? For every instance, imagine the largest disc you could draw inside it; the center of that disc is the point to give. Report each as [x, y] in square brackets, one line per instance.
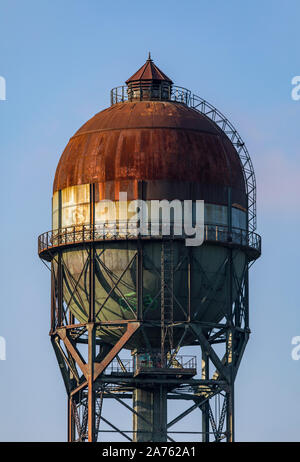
[167, 302]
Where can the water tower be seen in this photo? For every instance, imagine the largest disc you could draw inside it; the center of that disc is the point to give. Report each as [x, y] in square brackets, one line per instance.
[126, 304]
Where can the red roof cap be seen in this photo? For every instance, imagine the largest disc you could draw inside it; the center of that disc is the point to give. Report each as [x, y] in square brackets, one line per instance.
[149, 71]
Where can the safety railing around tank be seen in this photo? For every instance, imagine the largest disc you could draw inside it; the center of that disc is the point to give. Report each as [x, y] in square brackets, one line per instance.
[122, 231]
[139, 92]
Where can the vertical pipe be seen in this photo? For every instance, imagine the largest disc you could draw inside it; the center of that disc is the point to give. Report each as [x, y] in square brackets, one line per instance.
[91, 283]
[91, 346]
[139, 280]
[91, 391]
[71, 421]
[162, 308]
[230, 332]
[139, 261]
[205, 407]
[59, 265]
[53, 300]
[230, 259]
[230, 320]
[230, 415]
[60, 289]
[189, 286]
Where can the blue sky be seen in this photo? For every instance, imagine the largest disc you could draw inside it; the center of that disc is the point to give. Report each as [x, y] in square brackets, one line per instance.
[60, 59]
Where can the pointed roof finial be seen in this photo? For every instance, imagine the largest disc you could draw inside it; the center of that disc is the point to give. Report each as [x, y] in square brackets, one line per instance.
[149, 71]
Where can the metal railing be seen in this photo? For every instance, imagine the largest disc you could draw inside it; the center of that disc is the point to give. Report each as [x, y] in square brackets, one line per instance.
[176, 362]
[121, 366]
[139, 92]
[122, 231]
[124, 366]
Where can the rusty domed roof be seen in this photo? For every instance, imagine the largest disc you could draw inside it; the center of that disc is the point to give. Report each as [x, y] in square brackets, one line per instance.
[152, 141]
